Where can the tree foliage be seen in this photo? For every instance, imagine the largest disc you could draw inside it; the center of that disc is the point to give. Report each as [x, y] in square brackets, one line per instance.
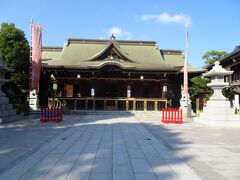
[211, 56]
[14, 52]
[199, 85]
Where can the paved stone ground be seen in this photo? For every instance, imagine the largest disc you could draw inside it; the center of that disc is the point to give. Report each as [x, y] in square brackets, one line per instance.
[20, 139]
[117, 147]
[213, 153]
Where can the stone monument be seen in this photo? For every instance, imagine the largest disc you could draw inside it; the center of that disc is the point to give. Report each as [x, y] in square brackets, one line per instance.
[7, 114]
[218, 111]
[185, 104]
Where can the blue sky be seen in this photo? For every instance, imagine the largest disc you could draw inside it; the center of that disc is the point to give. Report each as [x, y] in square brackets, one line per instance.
[215, 24]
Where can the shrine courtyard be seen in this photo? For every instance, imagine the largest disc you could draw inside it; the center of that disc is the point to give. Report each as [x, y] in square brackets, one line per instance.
[117, 146]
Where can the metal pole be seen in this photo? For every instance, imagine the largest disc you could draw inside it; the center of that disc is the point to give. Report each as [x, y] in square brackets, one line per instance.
[186, 66]
[30, 55]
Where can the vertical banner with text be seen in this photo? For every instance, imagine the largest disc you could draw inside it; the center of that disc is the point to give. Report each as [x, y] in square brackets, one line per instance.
[36, 55]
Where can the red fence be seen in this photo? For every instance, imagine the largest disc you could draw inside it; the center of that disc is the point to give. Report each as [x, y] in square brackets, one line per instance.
[172, 115]
[51, 114]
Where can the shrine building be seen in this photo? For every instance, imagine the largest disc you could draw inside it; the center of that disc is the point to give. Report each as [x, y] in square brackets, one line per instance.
[90, 74]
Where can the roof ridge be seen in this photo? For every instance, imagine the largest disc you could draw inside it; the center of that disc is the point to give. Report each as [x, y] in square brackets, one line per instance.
[52, 48]
[103, 41]
[171, 50]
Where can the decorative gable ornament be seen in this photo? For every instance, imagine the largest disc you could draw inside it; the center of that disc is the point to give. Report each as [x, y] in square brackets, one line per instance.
[112, 52]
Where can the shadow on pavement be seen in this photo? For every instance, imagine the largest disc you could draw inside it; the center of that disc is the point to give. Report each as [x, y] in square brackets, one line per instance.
[22, 139]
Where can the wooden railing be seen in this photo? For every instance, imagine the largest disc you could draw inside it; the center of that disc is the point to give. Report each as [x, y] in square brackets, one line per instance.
[125, 104]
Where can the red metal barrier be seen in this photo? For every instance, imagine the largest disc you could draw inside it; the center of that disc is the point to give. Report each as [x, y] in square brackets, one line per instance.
[59, 114]
[163, 115]
[51, 114]
[180, 119]
[172, 115]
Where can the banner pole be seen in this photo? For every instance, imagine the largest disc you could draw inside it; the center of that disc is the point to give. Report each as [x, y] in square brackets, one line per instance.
[30, 56]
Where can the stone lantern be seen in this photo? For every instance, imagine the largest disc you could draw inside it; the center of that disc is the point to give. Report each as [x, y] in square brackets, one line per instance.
[3, 70]
[217, 74]
[218, 111]
[7, 114]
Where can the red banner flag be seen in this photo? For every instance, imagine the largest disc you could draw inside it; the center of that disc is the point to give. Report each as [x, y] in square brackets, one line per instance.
[36, 54]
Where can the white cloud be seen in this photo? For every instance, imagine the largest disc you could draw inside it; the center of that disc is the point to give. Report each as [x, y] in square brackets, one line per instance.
[120, 33]
[168, 18]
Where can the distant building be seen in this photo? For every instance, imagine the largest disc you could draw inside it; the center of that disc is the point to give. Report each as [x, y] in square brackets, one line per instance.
[112, 75]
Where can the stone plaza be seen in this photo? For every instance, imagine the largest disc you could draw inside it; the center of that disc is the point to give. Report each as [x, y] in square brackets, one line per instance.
[117, 147]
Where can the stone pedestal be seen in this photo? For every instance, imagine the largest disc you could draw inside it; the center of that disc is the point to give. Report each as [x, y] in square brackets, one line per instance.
[7, 113]
[218, 111]
[186, 105]
[236, 101]
[33, 100]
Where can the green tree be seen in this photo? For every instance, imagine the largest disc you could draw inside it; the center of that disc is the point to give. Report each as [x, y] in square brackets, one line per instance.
[199, 85]
[14, 51]
[211, 56]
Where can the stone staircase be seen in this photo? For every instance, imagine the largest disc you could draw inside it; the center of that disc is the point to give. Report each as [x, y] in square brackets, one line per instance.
[119, 113]
[7, 113]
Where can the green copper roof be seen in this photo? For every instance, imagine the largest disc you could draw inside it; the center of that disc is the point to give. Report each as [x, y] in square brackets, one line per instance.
[177, 58]
[51, 53]
[135, 55]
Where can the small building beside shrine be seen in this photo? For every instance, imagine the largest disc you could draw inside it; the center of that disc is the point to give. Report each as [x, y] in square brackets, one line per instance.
[90, 74]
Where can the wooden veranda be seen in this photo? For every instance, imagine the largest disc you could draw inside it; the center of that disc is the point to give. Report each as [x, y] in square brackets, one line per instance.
[121, 103]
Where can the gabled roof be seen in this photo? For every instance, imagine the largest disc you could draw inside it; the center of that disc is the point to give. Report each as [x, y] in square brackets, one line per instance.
[51, 53]
[135, 55]
[111, 48]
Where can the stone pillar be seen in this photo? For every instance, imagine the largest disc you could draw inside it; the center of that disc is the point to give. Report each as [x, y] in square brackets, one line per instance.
[236, 101]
